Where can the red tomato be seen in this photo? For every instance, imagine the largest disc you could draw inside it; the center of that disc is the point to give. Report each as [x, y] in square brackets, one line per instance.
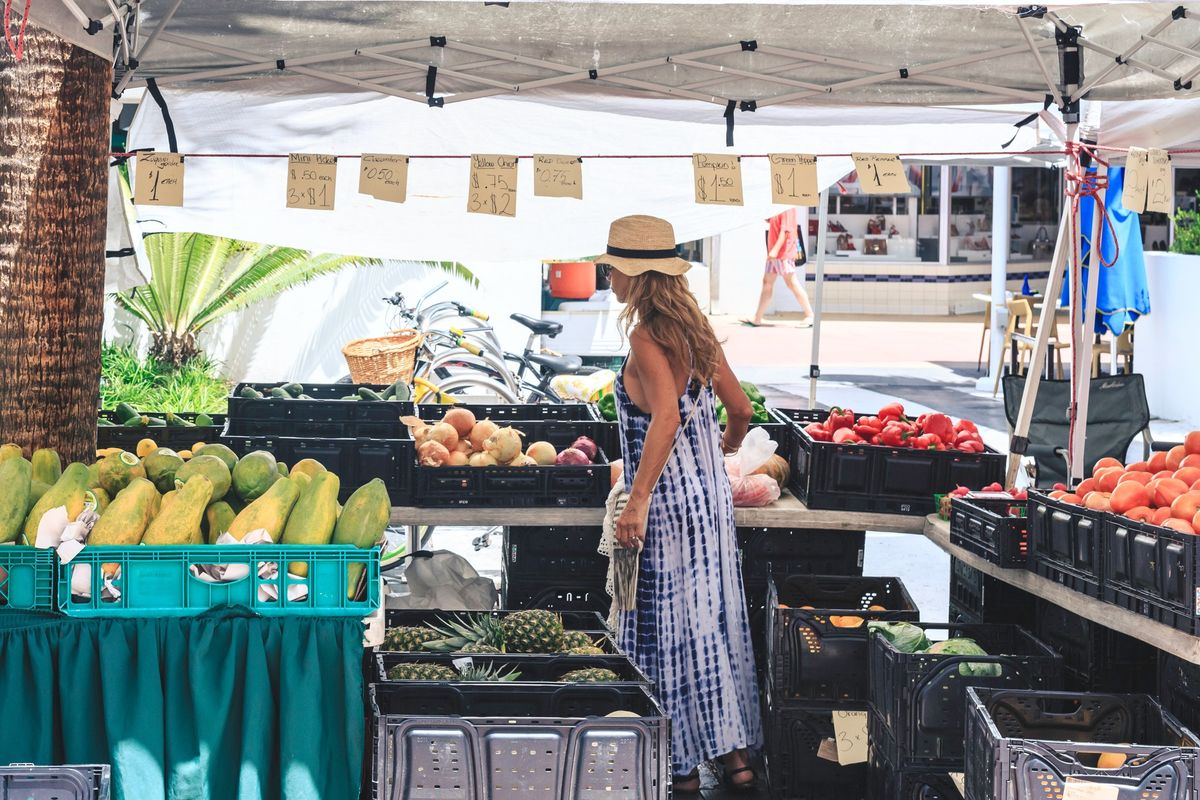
[1191, 442]
[1166, 490]
[1140, 514]
[1138, 466]
[1188, 475]
[1175, 456]
[1099, 501]
[1160, 516]
[1181, 525]
[1137, 477]
[1130, 494]
[1106, 463]
[1190, 460]
[1108, 478]
[1086, 487]
[1157, 462]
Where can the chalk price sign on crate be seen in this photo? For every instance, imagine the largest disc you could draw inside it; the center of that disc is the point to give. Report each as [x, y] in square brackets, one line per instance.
[493, 185]
[718, 179]
[312, 180]
[558, 176]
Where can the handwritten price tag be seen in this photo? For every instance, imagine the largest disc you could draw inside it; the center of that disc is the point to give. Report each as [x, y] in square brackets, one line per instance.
[158, 180]
[1086, 790]
[794, 179]
[1158, 185]
[312, 179]
[718, 179]
[384, 177]
[558, 176]
[850, 731]
[881, 173]
[1137, 174]
[493, 185]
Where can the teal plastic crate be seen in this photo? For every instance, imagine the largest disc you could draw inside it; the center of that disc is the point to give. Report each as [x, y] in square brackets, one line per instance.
[27, 576]
[158, 581]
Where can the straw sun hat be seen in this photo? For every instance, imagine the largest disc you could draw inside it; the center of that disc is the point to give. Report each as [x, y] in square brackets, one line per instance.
[640, 244]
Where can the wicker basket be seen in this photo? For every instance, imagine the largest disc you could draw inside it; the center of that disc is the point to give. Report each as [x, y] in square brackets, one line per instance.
[383, 359]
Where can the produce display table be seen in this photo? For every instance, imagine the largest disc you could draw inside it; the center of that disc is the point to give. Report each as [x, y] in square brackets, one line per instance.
[786, 512]
[1163, 637]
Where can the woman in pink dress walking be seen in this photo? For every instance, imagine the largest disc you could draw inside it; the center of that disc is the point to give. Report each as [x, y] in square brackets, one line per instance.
[782, 240]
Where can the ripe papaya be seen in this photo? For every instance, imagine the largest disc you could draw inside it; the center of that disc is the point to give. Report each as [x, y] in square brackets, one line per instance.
[210, 467]
[161, 467]
[312, 520]
[254, 474]
[124, 521]
[114, 472]
[269, 512]
[302, 481]
[362, 523]
[47, 466]
[66, 491]
[220, 451]
[309, 466]
[10, 450]
[97, 499]
[15, 483]
[178, 522]
[217, 519]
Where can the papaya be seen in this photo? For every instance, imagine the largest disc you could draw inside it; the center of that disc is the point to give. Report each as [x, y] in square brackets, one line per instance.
[282, 468]
[210, 467]
[302, 481]
[311, 521]
[178, 522]
[114, 472]
[219, 451]
[145, 447]
[36, 490]
[254, 474]
[217, 519]
[362, 522]
[269, 512]
[15, 485]
[97, 499]
[66, 491]
[47, 466]
[161, 468]
[124, 521]
[309, 466]
[10, 450]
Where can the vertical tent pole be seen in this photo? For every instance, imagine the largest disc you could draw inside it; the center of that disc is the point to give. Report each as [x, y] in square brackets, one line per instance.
[1001, 205]
[1087, 324]
[814, 369]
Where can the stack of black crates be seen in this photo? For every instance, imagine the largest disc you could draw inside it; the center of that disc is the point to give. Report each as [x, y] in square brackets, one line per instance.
[556, 568]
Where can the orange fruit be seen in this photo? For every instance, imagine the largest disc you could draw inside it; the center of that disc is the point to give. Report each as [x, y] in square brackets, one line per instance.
[1098, 501]
[876, 608]
[849, 622]
[1071, 499]
[1157, 462]
[1160, 516]
[1086, 487]
[1138, 466]
[1175, 456]
[1107, 479]
[1166, 473]
[1190, 460]
[1191, 442]
[1166, 490]
[1110, 761]
[1057, 494]
[1130, 494]
[1186, 506]
[1137, 477]
[1181, 525]
[1140, 514]
[1106, 463]
[1188, 475]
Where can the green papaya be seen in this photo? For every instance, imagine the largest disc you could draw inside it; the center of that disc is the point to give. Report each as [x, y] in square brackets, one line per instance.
[282, 468]
[97, 499]
[222, 452]
[161, 466]
[10, 450]
[179, 521]
[125, 412]
[368, 394]
[311, 521]
[114, 472]
[36, 490]
[47, 466]
[250, 393]
[293, 389]
[203, 421]
[302, 480]
[217, 519]
[269, 512]
[125, 520]
[362, 522]
[210, 467]
[16, 478]
[254, 474]
[67, 491]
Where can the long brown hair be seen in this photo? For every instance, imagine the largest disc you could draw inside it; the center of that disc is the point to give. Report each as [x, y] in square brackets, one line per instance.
[663, 306]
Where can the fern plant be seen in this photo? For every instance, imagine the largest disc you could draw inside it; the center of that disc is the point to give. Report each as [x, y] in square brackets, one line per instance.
[1187, 231]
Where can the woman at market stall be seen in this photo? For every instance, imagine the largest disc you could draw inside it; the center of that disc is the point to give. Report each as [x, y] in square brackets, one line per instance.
[690, 630]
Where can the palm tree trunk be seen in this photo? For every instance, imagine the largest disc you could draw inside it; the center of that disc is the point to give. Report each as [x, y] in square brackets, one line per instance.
[53, 181]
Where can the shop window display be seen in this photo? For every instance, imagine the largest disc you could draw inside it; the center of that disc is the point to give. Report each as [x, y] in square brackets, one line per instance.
[1037, 196]
[884, 227]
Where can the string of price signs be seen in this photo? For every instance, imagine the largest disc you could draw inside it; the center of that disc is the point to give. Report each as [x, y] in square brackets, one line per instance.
[494, 179]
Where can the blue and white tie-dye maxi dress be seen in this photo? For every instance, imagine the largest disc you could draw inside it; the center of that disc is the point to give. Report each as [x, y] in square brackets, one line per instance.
[690, 632]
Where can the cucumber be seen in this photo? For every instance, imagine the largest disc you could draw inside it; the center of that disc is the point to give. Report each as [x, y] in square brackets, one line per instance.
[403, 391]
[125, 412]
[279, 393]
[136, 422]
[175, 421]
[250, 393]
[103, 423]
[155, 422]
[203, 421]
[389, 392]
[368, 394]
[294, 389]
[305, 397]
[350, 397]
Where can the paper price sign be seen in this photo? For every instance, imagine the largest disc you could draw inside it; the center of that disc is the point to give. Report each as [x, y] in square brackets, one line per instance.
[1158, 184]
[558, 176]
[850, 733]
[1086, 790]
[718, 179]
[159, 180]
[493, 186]
[881, 173]
[793, 179]
[312, 179]
[384, 177]
[1137, 173]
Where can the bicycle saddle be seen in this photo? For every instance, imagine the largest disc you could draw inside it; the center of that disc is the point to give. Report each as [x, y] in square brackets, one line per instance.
[538, 326]
[559, 365]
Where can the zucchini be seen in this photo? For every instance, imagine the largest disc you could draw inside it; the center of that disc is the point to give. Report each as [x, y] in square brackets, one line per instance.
[203, 421]
[175, 421]
[279, 393]
[368, 394]
[250, 393]
[125, 412]
[136, 422]
[155, 422]
[294, 389]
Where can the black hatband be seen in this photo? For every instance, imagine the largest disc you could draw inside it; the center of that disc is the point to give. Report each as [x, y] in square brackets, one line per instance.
[622, 252]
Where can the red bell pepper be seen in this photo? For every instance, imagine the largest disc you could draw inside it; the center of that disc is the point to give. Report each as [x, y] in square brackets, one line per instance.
[960, 491]
[891, 411]
[967, 436]
[940, 426]
[894, 436]
[846, 436]
[970, 446]
[993, 487]
[966, 425]
[928, 441]
[818, 432]
[839, 418]
[868, 427]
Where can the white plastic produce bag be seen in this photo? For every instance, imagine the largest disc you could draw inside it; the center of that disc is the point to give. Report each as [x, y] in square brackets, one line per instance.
[752, 491]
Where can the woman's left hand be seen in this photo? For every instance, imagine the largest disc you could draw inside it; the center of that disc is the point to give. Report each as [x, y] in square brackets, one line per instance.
[631, 525]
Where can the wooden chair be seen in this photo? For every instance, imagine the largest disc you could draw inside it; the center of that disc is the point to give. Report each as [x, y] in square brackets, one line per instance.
[986, 337]
[1124, 351]
[1020, 335]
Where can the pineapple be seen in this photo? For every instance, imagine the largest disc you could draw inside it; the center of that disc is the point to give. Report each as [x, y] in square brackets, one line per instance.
[590, 676]
[476, 673]
[479, 649]
[586, 650]
[460, 631]
[407, 640]
[421, 672]
[533, 631]
[573, 639]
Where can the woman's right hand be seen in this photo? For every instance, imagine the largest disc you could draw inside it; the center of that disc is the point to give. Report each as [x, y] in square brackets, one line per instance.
[631, 525]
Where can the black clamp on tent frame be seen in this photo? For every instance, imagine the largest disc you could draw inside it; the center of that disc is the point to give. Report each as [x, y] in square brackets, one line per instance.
[1031, 12]
[814, 371]
[280, 64]
[904, 73]
[1178, 13]
[749, 45]
[94, 26]
[124, 252]
[437, 41]
[1181, 86]
[1019, 445]
[593, 74]
[1026, 120]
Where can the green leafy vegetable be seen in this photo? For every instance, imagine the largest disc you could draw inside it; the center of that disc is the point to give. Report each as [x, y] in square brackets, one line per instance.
[963, 646]
[904, 636]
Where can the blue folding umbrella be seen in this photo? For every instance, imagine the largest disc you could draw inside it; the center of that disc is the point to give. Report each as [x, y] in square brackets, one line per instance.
[1122, 295]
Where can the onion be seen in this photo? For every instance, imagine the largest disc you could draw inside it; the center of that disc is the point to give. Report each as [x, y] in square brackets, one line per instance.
[457, 459]
[461, 419]
[464, 446]
[432, 454]
[420, 433]
[444, 433]
[482, 460]
[481, 432]
[572, 458]
[504, 445]
[587, 447]
[616, 471]
[522, 460]
[542, 452]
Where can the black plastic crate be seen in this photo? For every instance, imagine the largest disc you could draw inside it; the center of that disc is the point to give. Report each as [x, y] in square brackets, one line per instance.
[540, 553]
[1065, 544]
[888, 781]
[1179, 689]
[1026, 745]
[987, 529]
[71, 782]
[780, 433]
[976, 597]
[920, 698]
[177, 439]
[1095, 659]
[573, 619]
[520, 487]
[811, 660]
[326, 415]
[799, 551]
[556, 595]
[877, 478]
[502, 413]
[1152, 571]
[794, 770]
[533, 668]
[355, 461]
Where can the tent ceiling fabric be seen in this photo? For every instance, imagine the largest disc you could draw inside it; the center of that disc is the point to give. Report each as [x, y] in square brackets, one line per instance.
[803, 49]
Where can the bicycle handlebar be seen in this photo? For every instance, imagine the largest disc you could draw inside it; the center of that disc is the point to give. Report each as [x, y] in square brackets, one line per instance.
[469, 346]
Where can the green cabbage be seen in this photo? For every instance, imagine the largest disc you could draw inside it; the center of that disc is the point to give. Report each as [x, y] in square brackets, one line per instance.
[962, 646]
[904, 636]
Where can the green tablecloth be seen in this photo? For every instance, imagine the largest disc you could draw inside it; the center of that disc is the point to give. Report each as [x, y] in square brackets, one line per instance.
[224, 705]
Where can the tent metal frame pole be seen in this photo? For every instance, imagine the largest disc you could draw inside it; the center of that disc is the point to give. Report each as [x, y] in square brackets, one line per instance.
[1087, 323]
[452, 72]
[1132, 62]
[775, 70]
[814, 367]
[744, 73]
[151, 40]
[1123, 57]
[75, 11]
[1037, 56]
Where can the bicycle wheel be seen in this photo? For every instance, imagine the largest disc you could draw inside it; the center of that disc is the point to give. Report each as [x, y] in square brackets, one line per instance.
[474, 386]
[451, 363]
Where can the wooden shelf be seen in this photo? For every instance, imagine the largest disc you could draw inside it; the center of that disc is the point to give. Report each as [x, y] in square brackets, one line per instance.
[1156, 634]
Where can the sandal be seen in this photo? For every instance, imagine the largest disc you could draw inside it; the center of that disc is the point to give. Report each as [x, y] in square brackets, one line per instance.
[739, 787]
[686, 785]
